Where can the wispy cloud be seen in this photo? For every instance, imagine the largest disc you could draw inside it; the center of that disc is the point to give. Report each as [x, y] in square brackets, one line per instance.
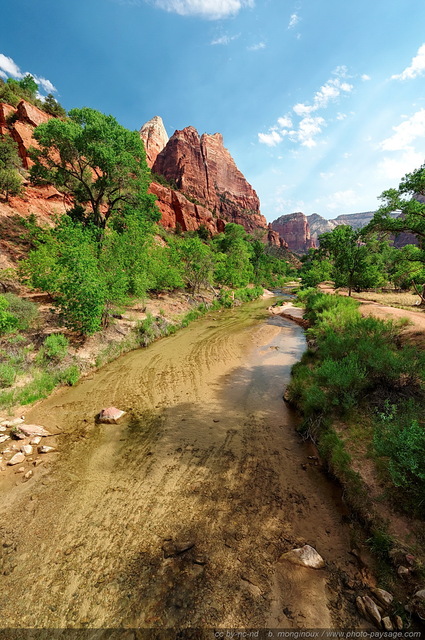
[328, 92]
[9, 68]
[293, 21]
[309, 126]
[224, 40]
[257, 47]
[210, 9]
[416, 67]
[365, 77]
[405, 133]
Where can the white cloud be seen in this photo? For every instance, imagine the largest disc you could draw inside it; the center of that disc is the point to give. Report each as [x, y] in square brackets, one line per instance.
[365, 77]
[393, 169]
[416, 67]
[309, 128]
[405, 133]
[326, 175]
[224, 39]
[8, 66]
[211, 9]
[285, 122]
[271, 139]
[341, 116]
[257, 47]
[329, 92]
[293, 21]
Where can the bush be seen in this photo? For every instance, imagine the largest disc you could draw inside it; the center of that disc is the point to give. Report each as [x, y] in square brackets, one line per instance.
[70, 375]
[7, 375]
[55, 348]
[24, 310]
[8, 322]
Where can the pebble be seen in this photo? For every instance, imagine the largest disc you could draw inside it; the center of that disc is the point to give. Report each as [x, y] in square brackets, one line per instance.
[4, 438]
[28, 474]
[45, 449]
[403, 571]
[35, 440]
[16, 459]
[398, 622]
[26, 449]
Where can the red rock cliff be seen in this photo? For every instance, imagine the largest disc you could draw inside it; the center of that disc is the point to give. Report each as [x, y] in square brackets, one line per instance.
[210, 189]
[295, 229]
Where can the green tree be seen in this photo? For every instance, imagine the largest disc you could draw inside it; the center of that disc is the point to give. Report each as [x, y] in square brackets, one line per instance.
[53, 107]
[198, 263]
[98, 162]
[236, 269]
[409, 201]
[315, 269]
[10, 163]
[350, 255]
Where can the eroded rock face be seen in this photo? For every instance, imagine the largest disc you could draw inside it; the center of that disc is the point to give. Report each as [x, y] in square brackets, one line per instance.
[295, 229]
[202, 169]
[154, 137]
[20, 123]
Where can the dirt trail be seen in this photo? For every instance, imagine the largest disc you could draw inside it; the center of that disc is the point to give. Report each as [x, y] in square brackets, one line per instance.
[415, 332]
[208, 461]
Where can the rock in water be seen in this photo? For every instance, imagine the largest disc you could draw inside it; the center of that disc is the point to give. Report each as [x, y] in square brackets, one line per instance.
[16, 459]
[306, 556]
[111, 415]
[33, 430]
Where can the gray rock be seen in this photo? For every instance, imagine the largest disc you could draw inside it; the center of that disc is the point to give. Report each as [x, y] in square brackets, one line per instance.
[403, 571]
[306, 556]
[383, 597]
[34, 430]
[16, 459]
[372, 611]
[387, 624]
[45, 449]
[27, 449]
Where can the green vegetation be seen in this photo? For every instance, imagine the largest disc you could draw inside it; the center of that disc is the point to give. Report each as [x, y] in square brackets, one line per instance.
[13, 91]
[355, 364]
[10, 164]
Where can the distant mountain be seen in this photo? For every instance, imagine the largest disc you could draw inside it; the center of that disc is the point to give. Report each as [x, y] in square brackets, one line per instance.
[319, 225]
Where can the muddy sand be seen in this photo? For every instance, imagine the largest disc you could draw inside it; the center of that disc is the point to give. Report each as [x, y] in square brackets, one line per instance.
[177, 517]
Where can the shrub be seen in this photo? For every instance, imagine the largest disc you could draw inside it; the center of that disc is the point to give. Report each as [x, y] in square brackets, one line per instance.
[24, 310]
[8, 322]
[70, 375]
[7, 375]
[55, 348]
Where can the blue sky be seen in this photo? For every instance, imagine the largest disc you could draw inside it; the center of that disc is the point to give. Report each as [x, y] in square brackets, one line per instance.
[321, 103]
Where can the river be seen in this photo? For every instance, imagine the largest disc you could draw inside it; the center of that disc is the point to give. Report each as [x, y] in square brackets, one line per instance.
[207, 463]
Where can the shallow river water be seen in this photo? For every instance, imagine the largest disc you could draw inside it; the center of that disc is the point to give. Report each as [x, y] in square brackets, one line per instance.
[178, 516]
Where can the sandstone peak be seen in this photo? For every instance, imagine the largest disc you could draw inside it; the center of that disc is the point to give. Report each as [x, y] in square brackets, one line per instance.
[295, 229]
[154, 137]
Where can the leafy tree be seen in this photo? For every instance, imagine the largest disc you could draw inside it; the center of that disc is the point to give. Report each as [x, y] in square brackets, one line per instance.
[198, 263]
[351, 259]
[236, 269]
[315, 269]
[98, 162]
[409, 200]
[10, 180]
[29, 86]
[53, 107]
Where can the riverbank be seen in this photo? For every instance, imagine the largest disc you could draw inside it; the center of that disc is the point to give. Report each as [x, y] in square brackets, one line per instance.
[178, 517]
[360, 392]
[41, 355]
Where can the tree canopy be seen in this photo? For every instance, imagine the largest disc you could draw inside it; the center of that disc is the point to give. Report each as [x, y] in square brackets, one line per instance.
[99, 163]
